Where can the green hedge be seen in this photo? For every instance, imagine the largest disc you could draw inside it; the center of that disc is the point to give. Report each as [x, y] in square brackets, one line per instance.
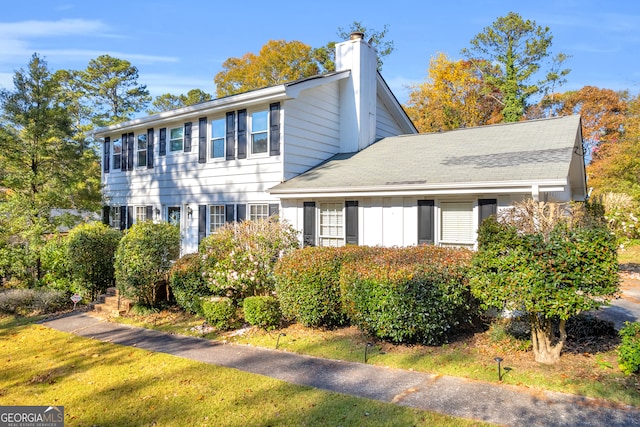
[410, 295]
[262, 311]
[219, 312]
[629, 349]
[308, 284]
[187, 284]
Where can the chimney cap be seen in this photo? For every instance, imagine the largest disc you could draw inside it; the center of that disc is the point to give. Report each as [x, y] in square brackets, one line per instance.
[356, 35]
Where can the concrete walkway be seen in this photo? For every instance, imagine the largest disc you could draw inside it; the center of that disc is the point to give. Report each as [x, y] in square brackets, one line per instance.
[501, 404]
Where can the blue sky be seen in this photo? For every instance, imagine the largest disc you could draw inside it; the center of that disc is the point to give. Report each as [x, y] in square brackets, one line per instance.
[181, 45]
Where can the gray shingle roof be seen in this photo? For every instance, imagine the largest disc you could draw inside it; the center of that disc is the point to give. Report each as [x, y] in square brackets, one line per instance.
[524, 151]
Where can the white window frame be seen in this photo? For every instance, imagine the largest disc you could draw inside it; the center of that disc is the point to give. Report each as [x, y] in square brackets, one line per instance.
[331, 224]
[141, 151]
[181, 139]
[217, 218]
[119, 154]
[258, 211]
[457, 225]
[253, 132]
[141, 214]
[221, 138]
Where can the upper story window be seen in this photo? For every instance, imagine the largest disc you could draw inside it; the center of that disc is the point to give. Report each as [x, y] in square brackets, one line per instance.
[176, 139]
[217, 138]
[117, 153]
[259, 134]
[142, 150]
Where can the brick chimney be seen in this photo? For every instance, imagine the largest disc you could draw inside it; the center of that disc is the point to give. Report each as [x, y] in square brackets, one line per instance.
[357, 93]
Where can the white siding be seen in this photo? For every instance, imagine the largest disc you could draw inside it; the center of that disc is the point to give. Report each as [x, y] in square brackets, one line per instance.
[385, 124]
[311, 131]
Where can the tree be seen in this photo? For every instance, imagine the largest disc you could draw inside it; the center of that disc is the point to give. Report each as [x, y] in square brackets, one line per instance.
[169, 101]
[278, 62]
[519, 47]
[38, 156]
[112, 89]
[552, 266]
[455, 95]
[325, 55]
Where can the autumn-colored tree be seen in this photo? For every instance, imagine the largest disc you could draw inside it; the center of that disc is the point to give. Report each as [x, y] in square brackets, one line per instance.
[277, 62]
[455, 95]
[616, 164]
[519, 47]
[169, 101]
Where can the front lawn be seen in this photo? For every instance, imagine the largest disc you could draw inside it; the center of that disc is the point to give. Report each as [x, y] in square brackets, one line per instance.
[105, 384]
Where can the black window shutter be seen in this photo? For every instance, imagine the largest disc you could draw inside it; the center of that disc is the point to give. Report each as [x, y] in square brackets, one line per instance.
[149, 212]
[426, 224]
[202, 222]
[230, 213]
[202, 140]
[242, 134]
[274, 209]
[187, 137]
[351, 212]
[129, 216]
[309, 224]
[274, 129]
[242, 212]
[486, 208]
[231, 135]
[163, 142]
[105, 215]
[107, 154]
[150, 135]
[123, 218]
[125, 150]
[130, 150]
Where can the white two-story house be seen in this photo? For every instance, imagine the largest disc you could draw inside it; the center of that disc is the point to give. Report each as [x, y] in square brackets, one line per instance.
[336, 156]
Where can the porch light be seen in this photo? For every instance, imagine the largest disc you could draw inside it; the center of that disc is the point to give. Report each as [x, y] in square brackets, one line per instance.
[282, 334]
[365, 351]
[499, 361]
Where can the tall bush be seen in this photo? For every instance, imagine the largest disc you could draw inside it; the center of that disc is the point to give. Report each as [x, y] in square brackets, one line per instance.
[238, 260]
[415, 294]
[549, 262]
[56, 266]
[308, 284]
[91, 250]
[143, 259]
[187, 284]
[629, 349]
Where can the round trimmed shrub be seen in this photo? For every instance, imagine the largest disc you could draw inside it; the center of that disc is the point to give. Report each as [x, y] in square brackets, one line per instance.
[629, 349]
[187, 284]
[409, 295]
[219, 312]
[262, 311]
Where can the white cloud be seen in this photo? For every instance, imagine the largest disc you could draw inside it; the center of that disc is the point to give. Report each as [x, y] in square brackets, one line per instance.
[64, 27]
[159, 84]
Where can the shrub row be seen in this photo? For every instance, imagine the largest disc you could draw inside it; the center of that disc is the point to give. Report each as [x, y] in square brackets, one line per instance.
[414, 294]
[32, 301]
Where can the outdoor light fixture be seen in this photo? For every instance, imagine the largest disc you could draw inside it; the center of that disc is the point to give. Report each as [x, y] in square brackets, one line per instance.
[282, 334]
[499, 360]
[157, 211]
[365, 351]
[189, 212]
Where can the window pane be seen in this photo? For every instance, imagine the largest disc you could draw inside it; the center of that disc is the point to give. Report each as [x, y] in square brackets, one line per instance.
[216, 217]
[115, 216]
[457, 222]
[217, 128]
[331, 224]
[257, 212]
[176, 139]
[117, 153]
[142, 158]
[177, 133]
[141, 213]
[217, 148]
[173, 214]
[259, 143]
[259, 121]
[142, 142]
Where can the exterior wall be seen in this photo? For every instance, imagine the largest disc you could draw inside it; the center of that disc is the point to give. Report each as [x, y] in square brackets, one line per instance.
[393, 221]
[311, 129]
[385, 123]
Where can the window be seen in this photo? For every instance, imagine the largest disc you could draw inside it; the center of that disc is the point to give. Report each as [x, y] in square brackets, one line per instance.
[216, 217]
[142, 150]
[217, 139]
[173, 215]
[117, 153]
[176, 138]
[457, 223]
[114, 218]
[141, 213]
[257, 212]
[331, 224]
[259, 135]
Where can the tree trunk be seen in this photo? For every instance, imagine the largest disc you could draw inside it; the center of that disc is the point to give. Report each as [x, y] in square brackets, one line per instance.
[545, 349]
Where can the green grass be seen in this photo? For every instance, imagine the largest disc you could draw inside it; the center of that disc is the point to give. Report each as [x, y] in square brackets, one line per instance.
[104, 384]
